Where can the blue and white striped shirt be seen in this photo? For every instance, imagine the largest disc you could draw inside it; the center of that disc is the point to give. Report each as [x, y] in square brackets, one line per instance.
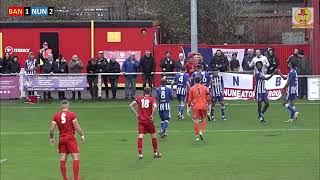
[217, 86]
[164, 95]
[182, 80]
[293, 82]
[260, 83]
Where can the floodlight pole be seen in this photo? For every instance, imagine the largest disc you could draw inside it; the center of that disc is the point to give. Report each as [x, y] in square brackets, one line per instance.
[194, 26]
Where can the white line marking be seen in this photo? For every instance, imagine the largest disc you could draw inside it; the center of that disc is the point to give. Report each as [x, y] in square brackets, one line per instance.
[173, 131]
[127, 106]
[3, 160]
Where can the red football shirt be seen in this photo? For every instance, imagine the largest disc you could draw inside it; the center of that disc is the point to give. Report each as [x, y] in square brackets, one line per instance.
[65, 124]
[145, 105]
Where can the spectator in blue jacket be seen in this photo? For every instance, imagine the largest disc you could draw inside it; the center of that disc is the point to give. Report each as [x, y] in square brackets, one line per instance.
[130, 65]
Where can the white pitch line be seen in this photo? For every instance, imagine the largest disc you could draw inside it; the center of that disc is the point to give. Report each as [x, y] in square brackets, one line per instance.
[123, 106]
[173, 131]
[3, 160]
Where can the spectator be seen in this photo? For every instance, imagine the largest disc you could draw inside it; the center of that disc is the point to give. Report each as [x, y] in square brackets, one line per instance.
[247, 60]
[303, 68]
[167, 64]
[60, 66]
[200, 60]
[295, 58]
[263, 59]
[114, 67]
[1, 65]
[148, 65]
[44, 53]
[14, 66]
[273, 61]
[5, 63]
[47, 68]
[220, 61]
[130, 65]
[234, 63]
[31, 67]
[190, 65]
[92, 68]
[102, 67]
[75, 66]
[181, 62]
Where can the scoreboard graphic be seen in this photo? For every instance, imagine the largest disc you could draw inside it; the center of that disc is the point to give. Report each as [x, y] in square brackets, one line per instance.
[30, 11]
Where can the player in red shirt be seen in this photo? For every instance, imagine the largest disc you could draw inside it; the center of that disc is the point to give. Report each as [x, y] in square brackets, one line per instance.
[146, 107]
[67, 124]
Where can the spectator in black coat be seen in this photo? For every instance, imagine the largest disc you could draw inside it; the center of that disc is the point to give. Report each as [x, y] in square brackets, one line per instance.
[273, 61]
[92, 68]
[114, 67]
[234, 63]
[103, 65]
[60, 66]
[148, 66]
[167, 64]
[220, 61]
[295, 57]
[5, 63]
[14, 66]
[47, 68]
[303, 68]
[247, 60]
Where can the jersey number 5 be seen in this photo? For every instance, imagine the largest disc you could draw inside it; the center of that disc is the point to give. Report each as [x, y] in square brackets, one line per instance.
[145, 103]
[63, 118]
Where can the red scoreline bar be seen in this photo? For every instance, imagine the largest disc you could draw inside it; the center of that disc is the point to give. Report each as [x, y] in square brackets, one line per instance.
[16, 11]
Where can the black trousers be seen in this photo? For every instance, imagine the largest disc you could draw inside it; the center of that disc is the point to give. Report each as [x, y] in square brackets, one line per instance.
[93, 86]
[61, 95]
[74, 95]
[302, 86]
[106, 86]
[114, 87]
[47, 95]
[148, 78]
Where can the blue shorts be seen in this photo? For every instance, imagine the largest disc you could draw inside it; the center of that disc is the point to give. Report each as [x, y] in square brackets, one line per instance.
[164, 115]
[217, 98]
[181, 97]
[290, 97]
[262, 97]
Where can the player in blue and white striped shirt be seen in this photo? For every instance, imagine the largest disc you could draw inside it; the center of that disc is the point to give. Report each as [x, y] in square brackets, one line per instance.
[164, 96]
[182, 81]
[292, 92]
[205, 76]
[260, 90]
[217, 93]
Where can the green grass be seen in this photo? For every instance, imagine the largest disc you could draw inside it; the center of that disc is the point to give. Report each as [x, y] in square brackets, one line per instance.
[271, 151]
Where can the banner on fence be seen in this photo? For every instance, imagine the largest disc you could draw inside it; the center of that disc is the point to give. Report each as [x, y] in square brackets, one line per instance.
[54, 83]
[241, 86]
[313, 88]
[9, 87]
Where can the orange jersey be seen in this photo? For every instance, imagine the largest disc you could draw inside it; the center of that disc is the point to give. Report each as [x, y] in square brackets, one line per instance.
[199, 97]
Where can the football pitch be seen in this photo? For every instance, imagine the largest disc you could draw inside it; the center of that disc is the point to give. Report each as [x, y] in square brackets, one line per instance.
[240, 148]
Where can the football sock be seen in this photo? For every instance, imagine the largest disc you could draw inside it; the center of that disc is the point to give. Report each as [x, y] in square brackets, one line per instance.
[182, 109]
[155, 145]
[63, 169]
[164, 125]
[294, 107]
[76, 164]
[140, 145]
[203, 126]
[291, 110]
[196, 128]
[223, 108]
[265, 107]
[259, 109]
[212, 111]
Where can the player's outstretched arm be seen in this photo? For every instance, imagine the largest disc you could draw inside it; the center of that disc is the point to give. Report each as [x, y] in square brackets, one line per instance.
[52, 128]
[282, 76]
[273, 73]
[78, 129]
[133, 109]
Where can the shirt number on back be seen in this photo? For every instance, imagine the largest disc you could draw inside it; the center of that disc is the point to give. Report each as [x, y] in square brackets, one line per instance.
[163, 95]
[145, 103]
[63, 118]
[181, 79]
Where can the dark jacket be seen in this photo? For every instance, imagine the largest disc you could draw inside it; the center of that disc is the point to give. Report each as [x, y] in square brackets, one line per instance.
[114, 67]
[220, 60]
[47, 66]
[75, 66]
[14, 67]
[295, 58]
[303, 67]
[246, 61]
[60, 67]
[234, 65]
[92, 68]
[179, 65]
[102, 65]
[5, 66]
[167, 65]
[148, 64]
[274, 63]
[130, 66]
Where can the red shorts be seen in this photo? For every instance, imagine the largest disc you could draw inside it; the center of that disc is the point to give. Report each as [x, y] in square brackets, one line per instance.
[146, 127]
[68, 145]
[200, 114]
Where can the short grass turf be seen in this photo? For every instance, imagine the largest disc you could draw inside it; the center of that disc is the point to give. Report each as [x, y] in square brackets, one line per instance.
[238, 149]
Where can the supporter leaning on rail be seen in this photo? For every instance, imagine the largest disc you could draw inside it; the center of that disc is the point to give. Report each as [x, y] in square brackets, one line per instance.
[148, 66]
[273, 61]
[14, 66]
[47, 68]
[92, 68]
[130, 65]
[114, 67]
[5, 63]
[234, 63]
[60, 66]
[247, 60]
[102, 66]
[220, 61]
[31, 67]
[75, 66]
[303, 68]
